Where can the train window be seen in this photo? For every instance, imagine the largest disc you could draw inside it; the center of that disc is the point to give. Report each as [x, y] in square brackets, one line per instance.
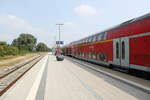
[78, 53]
[94, 55]
[97, 56]
[90, 39]
[105, 35]
[80, 42]
[117, 50]
[90, 55]
[77, 42]
[94, 38]
[99, 37]
[123, 50]
[86, 40]
[82, 54]
[87, 55]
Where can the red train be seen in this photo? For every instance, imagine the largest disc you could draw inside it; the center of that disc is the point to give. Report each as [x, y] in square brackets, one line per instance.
[126, 45]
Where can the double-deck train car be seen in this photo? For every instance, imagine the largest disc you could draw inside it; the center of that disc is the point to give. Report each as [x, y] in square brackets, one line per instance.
[67, 50]
[126, 45]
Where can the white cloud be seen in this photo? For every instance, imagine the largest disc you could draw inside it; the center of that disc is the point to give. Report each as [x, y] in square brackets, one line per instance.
[85, 10]
[14, 23]
[12, 26]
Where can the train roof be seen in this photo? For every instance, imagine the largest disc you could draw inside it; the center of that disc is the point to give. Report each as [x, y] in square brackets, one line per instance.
[117, 26]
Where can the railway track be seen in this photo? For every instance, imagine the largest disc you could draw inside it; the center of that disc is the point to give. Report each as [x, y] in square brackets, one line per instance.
[9, 76]
[141, 84]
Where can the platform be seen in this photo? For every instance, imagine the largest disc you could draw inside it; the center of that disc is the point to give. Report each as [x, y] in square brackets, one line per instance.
[63, 80]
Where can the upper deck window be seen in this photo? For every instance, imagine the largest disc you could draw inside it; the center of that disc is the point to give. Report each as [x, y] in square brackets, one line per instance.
[105, 36]
[90, 39]
[86, 40]
[100, 37]
[82, 41]
[94, 38]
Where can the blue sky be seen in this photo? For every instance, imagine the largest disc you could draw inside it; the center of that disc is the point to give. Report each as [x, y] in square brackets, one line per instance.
[80, 17]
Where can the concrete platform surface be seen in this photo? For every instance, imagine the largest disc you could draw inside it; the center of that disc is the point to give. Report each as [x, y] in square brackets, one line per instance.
[64, 80]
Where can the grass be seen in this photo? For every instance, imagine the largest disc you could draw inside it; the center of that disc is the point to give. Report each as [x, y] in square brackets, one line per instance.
[7, 61]
[11, 57]
[6, 57]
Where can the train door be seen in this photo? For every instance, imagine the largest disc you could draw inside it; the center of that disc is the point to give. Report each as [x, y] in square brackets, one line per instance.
[121, 52]
[116, 52]
[124, 49]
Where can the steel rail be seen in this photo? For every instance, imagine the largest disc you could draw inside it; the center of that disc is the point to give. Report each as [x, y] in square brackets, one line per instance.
[18, 77]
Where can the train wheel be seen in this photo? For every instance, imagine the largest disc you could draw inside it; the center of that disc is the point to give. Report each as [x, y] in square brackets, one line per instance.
[111, 66]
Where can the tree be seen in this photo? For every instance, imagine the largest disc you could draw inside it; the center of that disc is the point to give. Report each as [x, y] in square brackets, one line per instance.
[49, 49]
[25, 42]
[41, 47]
[14, 43]
[2, 43]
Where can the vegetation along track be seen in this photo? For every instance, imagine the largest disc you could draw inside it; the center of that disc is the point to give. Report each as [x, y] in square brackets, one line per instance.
[10, 76]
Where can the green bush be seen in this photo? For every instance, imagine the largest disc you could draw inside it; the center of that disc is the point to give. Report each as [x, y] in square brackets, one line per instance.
[2, 52]
[2, 43]
[13, 51]
[8, 50]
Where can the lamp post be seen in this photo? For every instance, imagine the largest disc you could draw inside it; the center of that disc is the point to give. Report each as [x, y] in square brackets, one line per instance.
[59, 37]
[59, 31]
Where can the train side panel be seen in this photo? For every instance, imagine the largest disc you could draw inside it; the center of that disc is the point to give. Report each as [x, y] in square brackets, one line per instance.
[141, 26]
[102, 51]
[140, 51]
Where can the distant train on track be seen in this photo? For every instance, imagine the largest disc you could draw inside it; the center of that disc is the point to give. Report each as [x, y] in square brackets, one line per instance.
[126, 45]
